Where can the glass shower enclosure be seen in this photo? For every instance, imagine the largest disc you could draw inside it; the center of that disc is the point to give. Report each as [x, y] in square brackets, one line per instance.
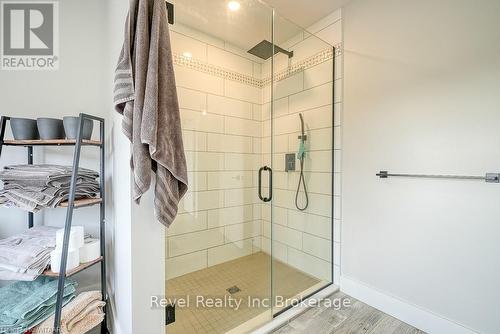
[254, 232]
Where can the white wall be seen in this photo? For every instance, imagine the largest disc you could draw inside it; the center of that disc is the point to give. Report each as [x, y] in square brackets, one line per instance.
[91, 35]
[136, 239]
[119, 229]
[78, 86]
[421, 96]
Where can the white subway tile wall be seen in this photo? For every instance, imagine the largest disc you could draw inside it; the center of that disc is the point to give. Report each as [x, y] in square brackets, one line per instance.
[225, 101]
[221, 122]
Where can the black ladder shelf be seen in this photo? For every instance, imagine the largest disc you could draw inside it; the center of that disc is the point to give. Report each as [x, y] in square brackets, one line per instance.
[71, 204]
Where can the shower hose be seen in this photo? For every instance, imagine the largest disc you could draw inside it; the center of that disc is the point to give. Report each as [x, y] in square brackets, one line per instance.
[303, 182]
[301, 156]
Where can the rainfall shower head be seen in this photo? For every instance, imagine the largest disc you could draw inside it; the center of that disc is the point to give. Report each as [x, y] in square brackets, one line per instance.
[264, 50]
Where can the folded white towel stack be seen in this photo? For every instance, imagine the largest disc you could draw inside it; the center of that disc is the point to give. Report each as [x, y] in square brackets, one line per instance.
[25, 256]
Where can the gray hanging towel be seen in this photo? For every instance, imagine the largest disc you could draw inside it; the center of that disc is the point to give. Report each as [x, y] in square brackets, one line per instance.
[146, 96]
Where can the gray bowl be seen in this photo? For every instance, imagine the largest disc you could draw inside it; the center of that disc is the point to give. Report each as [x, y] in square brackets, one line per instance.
[24, 128]
[71, 127]
[50, 128]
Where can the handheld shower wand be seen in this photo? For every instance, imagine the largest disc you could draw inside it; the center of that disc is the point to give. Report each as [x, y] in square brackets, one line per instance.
[301, 157]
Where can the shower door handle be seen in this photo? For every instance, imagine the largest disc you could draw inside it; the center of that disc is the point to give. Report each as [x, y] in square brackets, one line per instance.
[266, 199]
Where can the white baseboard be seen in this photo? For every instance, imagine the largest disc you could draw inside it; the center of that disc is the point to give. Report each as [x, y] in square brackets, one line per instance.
[422, 319]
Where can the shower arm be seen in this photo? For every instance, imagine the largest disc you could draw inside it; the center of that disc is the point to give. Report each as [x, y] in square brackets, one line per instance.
[278, 49]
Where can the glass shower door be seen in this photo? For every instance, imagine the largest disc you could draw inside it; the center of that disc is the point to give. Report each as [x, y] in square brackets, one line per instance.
[214, 257]
[301, 140]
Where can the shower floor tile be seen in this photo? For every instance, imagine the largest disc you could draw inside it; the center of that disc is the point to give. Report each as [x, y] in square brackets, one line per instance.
[250, 274]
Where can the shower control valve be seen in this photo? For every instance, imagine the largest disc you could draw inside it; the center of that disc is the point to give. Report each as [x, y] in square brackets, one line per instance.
[290, 162]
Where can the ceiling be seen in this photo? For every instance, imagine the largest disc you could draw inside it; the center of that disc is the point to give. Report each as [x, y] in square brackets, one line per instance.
[252, 22]
[303, 12]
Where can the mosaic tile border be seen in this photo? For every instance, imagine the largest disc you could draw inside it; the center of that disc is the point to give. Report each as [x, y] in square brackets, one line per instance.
[305, 64]
[249, 80]
[216, 71]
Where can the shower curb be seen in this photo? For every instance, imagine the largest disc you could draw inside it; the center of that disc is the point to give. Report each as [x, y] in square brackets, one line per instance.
[296, 311]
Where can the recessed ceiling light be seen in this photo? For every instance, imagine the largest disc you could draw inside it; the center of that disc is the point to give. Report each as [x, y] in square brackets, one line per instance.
[233, 5]
[187, 55]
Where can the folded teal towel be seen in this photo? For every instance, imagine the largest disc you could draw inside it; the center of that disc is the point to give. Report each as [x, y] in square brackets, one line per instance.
[24, 305]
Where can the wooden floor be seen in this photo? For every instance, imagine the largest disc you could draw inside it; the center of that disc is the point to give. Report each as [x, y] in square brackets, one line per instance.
[358, 318]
